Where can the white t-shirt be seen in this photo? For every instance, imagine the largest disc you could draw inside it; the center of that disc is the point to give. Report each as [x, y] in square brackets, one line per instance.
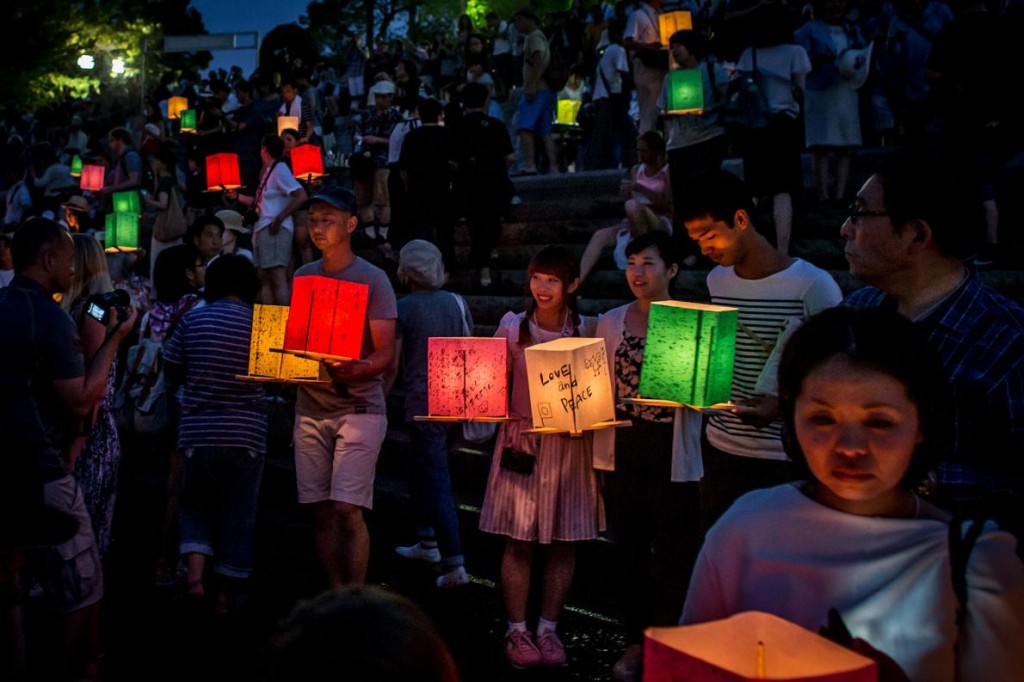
[769, 309]
[780, 67]
[276, 197]
[612, 65]
[642, 25]
[295, 109]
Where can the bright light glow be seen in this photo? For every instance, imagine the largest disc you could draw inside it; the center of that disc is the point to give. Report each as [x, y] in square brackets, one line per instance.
[117, 66]
[86, 61]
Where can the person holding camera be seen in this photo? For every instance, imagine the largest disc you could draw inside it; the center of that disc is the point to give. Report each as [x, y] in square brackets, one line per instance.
[46, 386]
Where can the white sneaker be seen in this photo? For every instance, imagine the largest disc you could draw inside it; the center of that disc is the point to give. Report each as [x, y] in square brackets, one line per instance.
[418, 551]
[456, 577]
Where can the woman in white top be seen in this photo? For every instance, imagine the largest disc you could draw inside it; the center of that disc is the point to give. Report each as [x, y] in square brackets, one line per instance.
[853, 549]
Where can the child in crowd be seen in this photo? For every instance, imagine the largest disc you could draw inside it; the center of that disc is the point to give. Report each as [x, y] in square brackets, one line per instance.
[542, 490]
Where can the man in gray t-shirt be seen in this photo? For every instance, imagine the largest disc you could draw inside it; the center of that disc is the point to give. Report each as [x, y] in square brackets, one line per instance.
[340, 427]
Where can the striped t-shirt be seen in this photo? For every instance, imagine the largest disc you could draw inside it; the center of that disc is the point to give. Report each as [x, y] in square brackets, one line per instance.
[768, 308]
[218, 410]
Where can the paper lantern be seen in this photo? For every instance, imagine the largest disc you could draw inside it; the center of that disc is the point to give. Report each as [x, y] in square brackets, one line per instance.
[222, 172]
[188, 121]
[176, 105]
[688, 357]
[570, 389]
[127, 202]
[76, 166]
[268, 329]
[286, 122]
[92, 177]
[307, 162]
[749, 646]
[670, 22]
[685, 93]
[121, 233]
[327, 318]
[467, 377]
[567, 111]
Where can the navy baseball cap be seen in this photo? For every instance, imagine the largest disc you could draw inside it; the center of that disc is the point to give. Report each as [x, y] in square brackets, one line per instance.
[338, 197]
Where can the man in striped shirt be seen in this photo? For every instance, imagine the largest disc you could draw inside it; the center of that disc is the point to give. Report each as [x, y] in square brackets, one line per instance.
[774, 293]
[223, 429]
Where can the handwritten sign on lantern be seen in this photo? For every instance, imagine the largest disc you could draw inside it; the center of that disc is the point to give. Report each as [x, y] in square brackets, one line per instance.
[689, 353]
[467, 377]
[570, 389]
[327, 318]
[268, 329]
[749, 646]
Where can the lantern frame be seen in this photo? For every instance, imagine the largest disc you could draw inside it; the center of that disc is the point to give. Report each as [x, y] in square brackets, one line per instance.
[266, 365]
[222, 168]
[121, 233]
[307, 162]
[465, 357]
[340, 308]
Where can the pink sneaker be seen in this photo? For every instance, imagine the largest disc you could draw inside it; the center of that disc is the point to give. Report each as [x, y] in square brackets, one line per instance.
[552, 653]
[520, 650]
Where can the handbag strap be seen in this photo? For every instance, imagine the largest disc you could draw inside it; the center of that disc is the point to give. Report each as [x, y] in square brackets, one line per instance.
[462, 312]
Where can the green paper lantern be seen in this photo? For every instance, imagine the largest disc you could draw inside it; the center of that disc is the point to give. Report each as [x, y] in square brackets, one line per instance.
[76, 166]
[127, 202]
[122, 232]
[188, 121]
[689, 354]
[685, 94]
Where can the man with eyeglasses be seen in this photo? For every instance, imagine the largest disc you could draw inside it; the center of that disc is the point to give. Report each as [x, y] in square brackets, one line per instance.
[339, 428]
[913, 227]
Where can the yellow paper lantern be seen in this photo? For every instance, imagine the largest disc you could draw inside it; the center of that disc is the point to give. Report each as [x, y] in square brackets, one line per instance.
[286, 122]
[750, 646]
[570, 385]
[568, 109]
[467, 377]
[685, 92]
[176, 105]
[268, 328]
[670, 22]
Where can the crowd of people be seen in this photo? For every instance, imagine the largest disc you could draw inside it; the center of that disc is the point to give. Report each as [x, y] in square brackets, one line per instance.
[863, 432]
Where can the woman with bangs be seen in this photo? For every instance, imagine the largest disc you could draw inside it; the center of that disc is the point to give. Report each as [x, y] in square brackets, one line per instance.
[542, 490]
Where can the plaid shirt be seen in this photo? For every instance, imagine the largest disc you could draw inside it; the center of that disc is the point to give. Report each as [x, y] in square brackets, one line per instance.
[979, 336]
[379, 124]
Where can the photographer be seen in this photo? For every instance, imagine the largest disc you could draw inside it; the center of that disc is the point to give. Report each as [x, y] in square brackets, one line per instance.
[45, 386]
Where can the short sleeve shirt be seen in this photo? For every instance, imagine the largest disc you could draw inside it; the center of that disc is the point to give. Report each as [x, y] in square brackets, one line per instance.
[276, 196]
[325, 401]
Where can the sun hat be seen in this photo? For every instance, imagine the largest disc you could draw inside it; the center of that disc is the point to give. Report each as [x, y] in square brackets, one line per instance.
[421, 262]
[384, 87]
[232, 221]
[77, 203]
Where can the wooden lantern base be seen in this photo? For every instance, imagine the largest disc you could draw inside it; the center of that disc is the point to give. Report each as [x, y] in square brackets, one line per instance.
[438, 418]
[264, 379]
[717, 408]
[307, 355]
[610, 424]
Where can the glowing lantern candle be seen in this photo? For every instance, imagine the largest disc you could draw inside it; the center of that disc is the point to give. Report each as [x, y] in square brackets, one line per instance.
[685, 92]
[188, 121]
[467, 377]
[176, 105]
[670, 22]
[76, 166]
[222, 172]
[92, 177]
[570, 388]
[688, 357]
[750, 646]
[126, 202]
[327, 318]
[286, 122]
[268, 328]
[307, 162]
[121, 233]
[568, 109]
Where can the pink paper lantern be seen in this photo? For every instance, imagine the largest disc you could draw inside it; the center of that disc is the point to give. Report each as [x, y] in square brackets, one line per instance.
[467, 377]
[327, 317]
[92, 177]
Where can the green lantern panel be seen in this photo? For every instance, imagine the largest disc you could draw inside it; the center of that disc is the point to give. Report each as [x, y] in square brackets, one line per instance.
[689, 353]
[76, 166]
[188, 121]
[122, 232]
[127, 202]
[685, 92]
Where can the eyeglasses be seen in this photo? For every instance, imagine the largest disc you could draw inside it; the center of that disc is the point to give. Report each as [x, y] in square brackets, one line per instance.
[854, 213]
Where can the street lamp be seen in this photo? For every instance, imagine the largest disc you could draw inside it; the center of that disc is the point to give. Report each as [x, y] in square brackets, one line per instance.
[87, 62]
[117, 66]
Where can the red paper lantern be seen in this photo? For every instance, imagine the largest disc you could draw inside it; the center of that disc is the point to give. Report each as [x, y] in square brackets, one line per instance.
[467, 377]
[327, 317]
[307, 162]
[222, 172]
[92, 177]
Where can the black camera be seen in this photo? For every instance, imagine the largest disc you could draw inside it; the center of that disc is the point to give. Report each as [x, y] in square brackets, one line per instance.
[98, 306]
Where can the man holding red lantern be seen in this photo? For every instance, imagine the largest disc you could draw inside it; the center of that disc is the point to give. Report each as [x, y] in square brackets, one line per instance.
[339, 428]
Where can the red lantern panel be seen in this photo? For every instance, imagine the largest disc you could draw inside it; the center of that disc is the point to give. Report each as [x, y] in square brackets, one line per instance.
[92, 177]
[327, 317]
[307, 162]
[222, 172]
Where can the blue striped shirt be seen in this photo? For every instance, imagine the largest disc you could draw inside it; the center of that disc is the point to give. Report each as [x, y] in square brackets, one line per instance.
[218, 410]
